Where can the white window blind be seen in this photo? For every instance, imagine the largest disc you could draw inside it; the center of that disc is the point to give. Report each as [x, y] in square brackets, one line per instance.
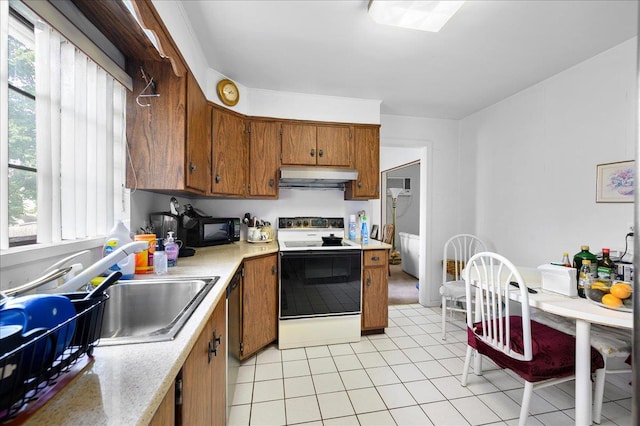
[80, 138]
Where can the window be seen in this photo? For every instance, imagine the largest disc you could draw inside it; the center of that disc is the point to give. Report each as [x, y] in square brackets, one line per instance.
[62, 147]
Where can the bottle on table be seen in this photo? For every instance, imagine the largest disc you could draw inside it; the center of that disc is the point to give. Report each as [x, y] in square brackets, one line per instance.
[579, 257]
[565, 260]
[585, 277]
[606, 267]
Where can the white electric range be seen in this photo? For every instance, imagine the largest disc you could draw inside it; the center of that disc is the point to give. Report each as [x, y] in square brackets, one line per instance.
[320, 283]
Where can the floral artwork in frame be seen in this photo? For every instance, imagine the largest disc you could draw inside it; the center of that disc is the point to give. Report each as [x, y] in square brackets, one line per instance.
[615, 182]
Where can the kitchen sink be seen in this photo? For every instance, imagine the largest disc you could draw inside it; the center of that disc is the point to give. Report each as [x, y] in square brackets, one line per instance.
[143, 311]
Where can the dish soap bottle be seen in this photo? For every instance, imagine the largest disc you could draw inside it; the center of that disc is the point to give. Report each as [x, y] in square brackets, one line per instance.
[365, 231]
[118, 237]
[172, 249]
[160, 258]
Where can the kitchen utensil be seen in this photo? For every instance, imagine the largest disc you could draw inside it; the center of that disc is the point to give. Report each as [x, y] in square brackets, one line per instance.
[174, 206]
[104, 285]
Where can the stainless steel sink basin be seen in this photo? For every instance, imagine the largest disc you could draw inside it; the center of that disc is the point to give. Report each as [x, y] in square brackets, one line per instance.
[142, 311]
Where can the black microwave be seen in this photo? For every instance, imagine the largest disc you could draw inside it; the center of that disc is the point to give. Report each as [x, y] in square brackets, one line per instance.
[211, 231]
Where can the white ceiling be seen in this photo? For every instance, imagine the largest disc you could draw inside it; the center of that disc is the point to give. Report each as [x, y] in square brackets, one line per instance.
[488, 51]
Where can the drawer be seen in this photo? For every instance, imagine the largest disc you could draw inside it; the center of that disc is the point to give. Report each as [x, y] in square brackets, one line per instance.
[375, 257]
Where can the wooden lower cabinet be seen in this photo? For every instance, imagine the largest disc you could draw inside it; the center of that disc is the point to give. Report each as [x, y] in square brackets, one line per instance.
[166, 413]
[203, 375]
[257, 316]
[375, 290]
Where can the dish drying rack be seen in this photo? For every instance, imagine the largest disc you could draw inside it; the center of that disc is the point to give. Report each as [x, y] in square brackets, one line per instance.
[24, 376]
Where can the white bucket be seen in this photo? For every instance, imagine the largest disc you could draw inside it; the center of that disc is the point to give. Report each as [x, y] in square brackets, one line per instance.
[410, 252]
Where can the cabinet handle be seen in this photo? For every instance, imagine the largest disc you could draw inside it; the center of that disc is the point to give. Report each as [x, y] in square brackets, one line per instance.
[313, 152]
[375, 258]
[213, 346]
[368, 282]
[192, 167]
[274, 270]
[217, 178]
[272, 183]
[320, 153]
[359, 184]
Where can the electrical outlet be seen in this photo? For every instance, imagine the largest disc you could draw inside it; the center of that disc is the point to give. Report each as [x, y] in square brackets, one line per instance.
[631, 228]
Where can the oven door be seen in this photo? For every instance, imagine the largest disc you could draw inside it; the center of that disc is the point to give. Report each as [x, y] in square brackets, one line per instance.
[317, 283]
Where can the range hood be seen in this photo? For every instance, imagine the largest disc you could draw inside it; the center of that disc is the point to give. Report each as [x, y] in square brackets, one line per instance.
[315, 177]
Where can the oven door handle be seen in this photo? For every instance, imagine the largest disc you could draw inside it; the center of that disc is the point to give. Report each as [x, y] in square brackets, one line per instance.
[316, 253]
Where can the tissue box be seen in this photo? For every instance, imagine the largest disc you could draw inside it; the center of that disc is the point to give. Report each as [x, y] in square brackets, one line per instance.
[559, 279]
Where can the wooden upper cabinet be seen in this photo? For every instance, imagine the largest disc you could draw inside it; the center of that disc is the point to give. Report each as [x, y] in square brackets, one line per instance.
[264, 161]
[334, 146]
[229, 154]
[367, 163]
[311, 145]
[298, 144]
[156, 133]
[198, 138]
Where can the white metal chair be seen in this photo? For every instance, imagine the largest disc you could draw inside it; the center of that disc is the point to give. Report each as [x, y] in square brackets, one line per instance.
[457, 251]
[539, 354]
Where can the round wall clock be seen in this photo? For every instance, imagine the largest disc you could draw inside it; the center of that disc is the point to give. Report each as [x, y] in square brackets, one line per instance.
[228, 92]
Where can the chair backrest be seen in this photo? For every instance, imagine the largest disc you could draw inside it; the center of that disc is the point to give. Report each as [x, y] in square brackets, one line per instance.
[387, 233]
[487, 279]
[457, 251]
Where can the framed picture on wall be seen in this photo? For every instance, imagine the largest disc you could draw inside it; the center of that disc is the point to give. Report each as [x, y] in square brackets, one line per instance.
[374, 232]
[614, 182]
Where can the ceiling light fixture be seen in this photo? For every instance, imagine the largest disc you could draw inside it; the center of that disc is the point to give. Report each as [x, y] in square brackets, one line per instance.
[418, 15]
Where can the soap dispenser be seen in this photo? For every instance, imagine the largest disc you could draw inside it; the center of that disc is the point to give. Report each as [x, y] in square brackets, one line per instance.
[172, 249]
[160, 258]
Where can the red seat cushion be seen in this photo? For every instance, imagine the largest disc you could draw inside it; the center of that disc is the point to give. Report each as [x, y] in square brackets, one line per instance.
[553, 351]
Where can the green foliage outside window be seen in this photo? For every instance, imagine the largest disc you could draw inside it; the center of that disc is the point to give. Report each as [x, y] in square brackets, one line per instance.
[22, 133]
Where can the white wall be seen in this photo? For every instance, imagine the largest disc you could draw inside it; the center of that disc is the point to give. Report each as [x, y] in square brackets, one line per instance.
[435, 143]
[531, 159]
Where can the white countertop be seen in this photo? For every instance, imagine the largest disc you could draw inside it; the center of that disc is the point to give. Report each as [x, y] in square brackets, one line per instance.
[125, 384]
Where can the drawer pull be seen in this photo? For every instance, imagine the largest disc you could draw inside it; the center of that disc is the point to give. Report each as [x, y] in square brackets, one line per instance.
[368, 282]
[375, 258]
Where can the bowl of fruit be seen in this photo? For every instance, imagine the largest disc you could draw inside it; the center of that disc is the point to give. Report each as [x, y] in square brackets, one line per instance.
[616, 295]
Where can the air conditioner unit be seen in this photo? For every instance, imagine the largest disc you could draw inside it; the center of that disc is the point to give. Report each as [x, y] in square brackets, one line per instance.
[400, 182]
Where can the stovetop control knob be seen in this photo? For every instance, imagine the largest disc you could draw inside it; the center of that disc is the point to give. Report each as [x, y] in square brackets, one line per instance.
[305, 223]
[298, 223]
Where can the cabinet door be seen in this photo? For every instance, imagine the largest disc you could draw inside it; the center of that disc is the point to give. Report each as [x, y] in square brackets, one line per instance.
[264, 153]
[196, 378]
[198, 162]
[156, 134]
[298, 144]
[219, 368]
[259, 304]
[367, 161]
[229, 154]
[375, 298]
[166, 413]
[334, 146]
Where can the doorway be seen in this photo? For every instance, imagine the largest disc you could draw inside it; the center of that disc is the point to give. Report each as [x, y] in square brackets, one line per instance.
[403, 279]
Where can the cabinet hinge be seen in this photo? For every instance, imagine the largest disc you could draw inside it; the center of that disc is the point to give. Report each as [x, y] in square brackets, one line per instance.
[242, 273]
[241, 347]
[248, 128]
[178, 392]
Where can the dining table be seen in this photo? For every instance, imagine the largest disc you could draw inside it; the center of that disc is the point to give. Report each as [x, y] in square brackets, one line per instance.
[584, 313]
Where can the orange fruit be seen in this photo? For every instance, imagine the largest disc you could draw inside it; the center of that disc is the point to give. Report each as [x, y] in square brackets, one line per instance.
[611, 300]
[621, 290]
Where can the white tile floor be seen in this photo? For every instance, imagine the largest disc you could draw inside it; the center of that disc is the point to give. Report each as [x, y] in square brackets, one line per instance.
[407, 376]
